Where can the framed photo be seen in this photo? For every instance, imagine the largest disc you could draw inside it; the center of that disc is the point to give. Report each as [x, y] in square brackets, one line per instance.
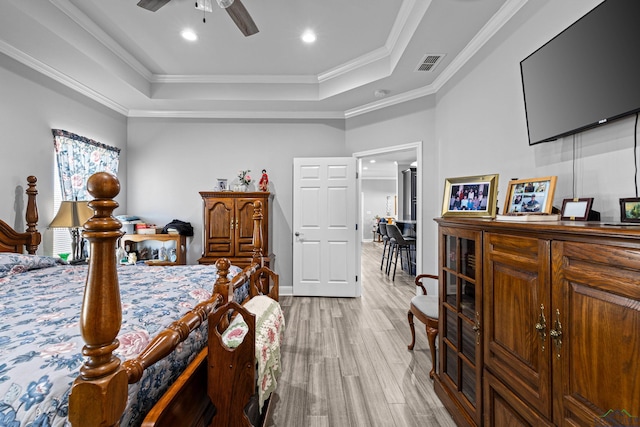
[222, 184]
[630, 209]
[530, 196]
[576, 209]
[474, 196]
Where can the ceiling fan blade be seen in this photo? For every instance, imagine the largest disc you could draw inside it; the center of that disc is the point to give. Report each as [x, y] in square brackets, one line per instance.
[152, 5]
[241, 17]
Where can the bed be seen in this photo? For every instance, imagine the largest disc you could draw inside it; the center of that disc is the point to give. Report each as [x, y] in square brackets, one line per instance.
[179, 328]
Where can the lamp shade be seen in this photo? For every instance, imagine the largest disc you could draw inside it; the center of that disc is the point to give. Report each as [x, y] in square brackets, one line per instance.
[72, 214]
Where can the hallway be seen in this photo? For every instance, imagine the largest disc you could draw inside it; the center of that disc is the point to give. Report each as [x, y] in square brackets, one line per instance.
[346, 363]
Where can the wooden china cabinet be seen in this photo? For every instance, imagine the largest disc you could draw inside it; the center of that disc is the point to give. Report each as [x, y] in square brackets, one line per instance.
[228, 226]
[560, 324]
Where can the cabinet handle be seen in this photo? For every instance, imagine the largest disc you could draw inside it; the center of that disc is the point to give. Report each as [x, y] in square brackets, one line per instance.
[231, 224]
[541, 327]
[236, 222]
[476, 328]
[556, 334]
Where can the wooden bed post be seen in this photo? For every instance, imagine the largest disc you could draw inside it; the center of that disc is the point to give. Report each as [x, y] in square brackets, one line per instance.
[31, 215]
[222, 282]
[257, 233]
[99, 395]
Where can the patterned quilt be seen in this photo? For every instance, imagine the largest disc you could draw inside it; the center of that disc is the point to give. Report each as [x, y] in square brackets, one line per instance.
[269, 334]
[40, 343]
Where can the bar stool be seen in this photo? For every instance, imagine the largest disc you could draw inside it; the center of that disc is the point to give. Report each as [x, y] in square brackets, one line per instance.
[386, 249]
[399, 242]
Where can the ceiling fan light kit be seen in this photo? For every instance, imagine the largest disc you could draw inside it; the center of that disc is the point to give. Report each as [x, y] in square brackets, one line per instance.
[204, 5]
[224, 3]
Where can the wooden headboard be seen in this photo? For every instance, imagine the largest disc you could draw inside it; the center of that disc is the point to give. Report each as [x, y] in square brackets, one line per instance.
[13, 241]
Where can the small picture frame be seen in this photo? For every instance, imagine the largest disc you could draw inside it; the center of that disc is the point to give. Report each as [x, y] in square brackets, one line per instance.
[222, 184]
[530, 196]
[470, 196]
[576, 209]
[630, 209]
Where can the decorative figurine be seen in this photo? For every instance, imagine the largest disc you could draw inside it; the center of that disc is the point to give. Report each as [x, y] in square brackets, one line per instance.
[263, 185]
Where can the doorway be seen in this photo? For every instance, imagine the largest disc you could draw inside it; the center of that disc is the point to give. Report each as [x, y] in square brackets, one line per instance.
[388, 163]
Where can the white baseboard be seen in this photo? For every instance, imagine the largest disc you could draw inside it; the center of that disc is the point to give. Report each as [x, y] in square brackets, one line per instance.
[286, 290]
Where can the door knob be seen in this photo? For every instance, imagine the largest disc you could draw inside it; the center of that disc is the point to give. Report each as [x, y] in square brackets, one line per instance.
[297, 234]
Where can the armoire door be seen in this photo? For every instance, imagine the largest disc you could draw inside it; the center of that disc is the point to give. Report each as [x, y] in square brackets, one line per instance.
[219, 236]
[243, 227]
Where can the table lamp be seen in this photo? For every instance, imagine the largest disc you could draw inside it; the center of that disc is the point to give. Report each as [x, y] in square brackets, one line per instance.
[73, 215]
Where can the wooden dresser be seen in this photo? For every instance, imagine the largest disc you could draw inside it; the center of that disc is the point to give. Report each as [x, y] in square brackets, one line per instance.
[228, 226]
[539, 323]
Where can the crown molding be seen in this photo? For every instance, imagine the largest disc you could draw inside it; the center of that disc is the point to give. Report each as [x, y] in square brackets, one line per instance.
[195, 114]
[84, 22]
[497, 21]
[504, 14]
[242, 79]
[61, 78]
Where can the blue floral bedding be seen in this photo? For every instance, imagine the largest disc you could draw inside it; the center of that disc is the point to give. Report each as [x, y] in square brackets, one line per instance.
[40, 343]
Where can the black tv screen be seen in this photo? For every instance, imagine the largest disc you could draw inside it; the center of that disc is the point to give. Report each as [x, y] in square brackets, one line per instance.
[587, 75]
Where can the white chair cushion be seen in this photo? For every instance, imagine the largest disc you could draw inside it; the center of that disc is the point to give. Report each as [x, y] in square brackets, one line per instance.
[427, 304]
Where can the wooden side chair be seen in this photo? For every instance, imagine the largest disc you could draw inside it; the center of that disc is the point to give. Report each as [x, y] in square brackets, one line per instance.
[425, 308]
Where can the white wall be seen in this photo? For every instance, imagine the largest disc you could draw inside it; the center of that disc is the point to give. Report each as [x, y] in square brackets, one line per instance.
[30, 106]
[171, 160]
[374, 202]
[481, 124]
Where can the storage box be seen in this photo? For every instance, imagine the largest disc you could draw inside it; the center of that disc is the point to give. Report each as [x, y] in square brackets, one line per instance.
[146, 230]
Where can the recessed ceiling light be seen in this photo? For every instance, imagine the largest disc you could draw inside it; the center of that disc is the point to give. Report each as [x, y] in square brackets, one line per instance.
[372, 161]
[365, 168]
[308, 36]
[188, 34]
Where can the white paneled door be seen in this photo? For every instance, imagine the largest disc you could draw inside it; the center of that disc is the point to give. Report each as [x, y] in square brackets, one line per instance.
[324, 227]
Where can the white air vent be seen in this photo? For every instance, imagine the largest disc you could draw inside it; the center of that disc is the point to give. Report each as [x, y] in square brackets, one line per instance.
[429, 62]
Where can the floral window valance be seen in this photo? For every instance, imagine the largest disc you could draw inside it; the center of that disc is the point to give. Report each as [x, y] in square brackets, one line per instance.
[78, 159]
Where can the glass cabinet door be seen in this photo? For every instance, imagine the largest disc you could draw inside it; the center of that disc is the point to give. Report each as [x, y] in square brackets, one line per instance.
[460, 358]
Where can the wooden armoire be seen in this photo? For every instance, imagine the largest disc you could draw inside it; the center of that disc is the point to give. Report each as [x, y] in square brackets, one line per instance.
[228, 226]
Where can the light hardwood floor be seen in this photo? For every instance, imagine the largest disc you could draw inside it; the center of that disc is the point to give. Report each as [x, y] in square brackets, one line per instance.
[346, 363]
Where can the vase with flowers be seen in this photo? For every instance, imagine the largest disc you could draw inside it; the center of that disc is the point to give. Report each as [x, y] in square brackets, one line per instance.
[244, 179]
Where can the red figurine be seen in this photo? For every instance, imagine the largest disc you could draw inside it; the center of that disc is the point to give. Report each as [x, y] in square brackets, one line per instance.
[264, 181]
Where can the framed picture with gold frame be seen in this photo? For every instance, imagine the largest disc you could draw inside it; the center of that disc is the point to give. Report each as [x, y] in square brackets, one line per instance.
[530, 196]
[470, 196]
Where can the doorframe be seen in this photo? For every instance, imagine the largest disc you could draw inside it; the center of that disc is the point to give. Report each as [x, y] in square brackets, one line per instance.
[384, 150]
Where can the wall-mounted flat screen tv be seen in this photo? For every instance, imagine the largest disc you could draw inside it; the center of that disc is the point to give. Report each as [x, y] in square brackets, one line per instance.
[587, 75]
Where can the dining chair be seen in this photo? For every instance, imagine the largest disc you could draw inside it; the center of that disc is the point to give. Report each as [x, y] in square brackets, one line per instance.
[425, 308]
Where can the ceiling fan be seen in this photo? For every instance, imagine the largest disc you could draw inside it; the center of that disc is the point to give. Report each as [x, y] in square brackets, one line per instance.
[234, 8]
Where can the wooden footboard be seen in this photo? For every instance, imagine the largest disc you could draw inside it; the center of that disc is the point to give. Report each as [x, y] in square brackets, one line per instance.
[99, 395]
[195, 400]
[233, 381]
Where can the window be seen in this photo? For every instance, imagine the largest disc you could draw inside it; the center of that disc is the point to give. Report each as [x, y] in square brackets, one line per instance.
[77, 158]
